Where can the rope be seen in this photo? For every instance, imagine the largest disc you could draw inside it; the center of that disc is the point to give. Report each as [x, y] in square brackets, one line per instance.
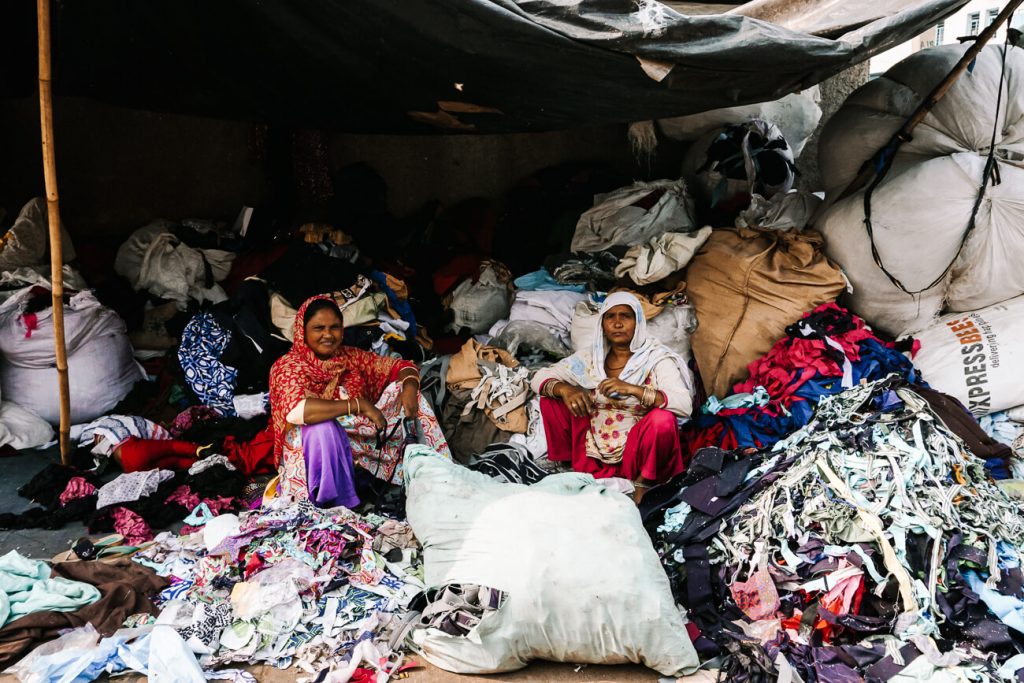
[885, 164]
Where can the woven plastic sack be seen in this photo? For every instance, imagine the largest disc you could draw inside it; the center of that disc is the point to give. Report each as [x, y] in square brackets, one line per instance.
[27, 243]
[977, 358]
[101, 365]
[921, 210]
[587, 588]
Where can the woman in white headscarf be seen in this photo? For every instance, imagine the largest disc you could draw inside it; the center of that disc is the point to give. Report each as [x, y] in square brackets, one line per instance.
[612, 410]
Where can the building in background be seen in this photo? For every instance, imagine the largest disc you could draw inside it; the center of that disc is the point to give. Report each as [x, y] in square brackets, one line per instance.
[969, 20]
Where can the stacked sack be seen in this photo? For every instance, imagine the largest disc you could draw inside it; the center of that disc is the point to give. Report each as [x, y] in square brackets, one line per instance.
[922, 209]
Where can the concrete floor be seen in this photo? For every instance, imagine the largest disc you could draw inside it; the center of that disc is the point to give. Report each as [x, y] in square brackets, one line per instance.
[41, 544]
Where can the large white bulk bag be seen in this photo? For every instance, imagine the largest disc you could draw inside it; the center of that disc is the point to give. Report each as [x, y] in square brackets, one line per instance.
[101, 367]
[797, 116]
[633, 215]
[583, 582]
[923, 207]
[978, 357]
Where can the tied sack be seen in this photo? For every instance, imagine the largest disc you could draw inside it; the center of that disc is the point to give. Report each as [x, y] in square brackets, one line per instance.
[479, 303]
[747, 286]
[921, 210]
[101, 366]
[582, 582]
[977, 357]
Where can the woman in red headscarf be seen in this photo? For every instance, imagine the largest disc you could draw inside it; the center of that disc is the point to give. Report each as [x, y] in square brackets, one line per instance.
[335, 406]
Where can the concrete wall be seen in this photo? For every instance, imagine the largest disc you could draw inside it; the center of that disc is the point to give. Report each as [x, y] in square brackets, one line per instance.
[119, 168]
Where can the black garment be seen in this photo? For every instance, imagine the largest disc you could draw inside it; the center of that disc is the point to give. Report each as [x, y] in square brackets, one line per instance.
[306, 271]
[507, 464]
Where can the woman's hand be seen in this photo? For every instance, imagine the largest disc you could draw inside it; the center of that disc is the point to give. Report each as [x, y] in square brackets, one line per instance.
[373, 414]
[577, 400]
[619, 388]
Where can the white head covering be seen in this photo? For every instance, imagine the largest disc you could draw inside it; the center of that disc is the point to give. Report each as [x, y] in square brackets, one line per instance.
[639, 363]
[586, 367]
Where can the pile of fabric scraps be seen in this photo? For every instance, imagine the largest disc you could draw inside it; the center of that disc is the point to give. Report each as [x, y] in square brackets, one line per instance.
[870, 543]
[291, 585]
[1007, 429]
[827, 351]
[131, 504]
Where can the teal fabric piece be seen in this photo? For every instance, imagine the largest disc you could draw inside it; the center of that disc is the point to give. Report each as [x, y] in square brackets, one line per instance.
[26, 588]
[756, 399]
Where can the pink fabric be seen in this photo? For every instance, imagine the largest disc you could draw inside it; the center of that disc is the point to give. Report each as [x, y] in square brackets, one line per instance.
[652, 450]
[131, 526]
[31, 321]
[757, 596]
[77, 488]
[220, 504]
[183, 496]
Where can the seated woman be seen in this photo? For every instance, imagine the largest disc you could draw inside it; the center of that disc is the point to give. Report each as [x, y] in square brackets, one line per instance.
[335, 406]
[611, 410]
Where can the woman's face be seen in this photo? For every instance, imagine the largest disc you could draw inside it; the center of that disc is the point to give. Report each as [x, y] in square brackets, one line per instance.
[619, 324]
[324, 333]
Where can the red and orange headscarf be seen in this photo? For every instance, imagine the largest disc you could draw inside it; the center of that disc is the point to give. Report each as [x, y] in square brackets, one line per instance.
[299, 374]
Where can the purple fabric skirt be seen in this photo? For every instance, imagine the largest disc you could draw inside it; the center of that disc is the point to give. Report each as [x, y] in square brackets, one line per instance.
[329, 469]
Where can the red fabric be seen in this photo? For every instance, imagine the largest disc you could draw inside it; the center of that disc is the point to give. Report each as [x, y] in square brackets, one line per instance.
[652, 448]
[150, 454]
[455, 271]
[252, 457]
[299, 374]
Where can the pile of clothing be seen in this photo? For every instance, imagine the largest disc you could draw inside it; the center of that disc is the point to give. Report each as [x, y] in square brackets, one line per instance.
[824, 353]
[867, 544]
[291, 586]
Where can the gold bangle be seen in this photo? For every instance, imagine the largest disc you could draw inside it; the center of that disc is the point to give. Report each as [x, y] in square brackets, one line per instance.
[412, 378]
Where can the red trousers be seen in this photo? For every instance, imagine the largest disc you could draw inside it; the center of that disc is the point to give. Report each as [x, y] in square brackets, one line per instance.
[652, 449]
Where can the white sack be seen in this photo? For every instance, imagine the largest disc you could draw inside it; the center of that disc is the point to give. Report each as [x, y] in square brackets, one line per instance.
[21, 428]
[551, 308]
[27, 243]
[797, 116]
[584, 584]
[155, 260]
[978, 357]
[922, 208]
[101, 366]
[790, 211]
[478, 305]
[661, 256]
[672, 327]
[616, 220]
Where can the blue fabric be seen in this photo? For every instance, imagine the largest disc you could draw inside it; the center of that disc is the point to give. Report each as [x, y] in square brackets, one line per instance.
[541, 280]
[402, 307]
[753, 427]
[202, 343]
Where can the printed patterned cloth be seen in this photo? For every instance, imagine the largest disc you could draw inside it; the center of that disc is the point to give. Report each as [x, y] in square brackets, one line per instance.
[107, 433]
[384, 462]
[202, 343]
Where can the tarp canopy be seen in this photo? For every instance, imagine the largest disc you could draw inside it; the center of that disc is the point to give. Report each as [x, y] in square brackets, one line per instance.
[451, 65]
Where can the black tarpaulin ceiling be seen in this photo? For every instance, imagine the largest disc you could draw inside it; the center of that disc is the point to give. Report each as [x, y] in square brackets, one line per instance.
[451, 65]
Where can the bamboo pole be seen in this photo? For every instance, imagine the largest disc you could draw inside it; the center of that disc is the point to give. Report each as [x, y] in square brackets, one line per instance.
[873, 165]
[53, 213]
